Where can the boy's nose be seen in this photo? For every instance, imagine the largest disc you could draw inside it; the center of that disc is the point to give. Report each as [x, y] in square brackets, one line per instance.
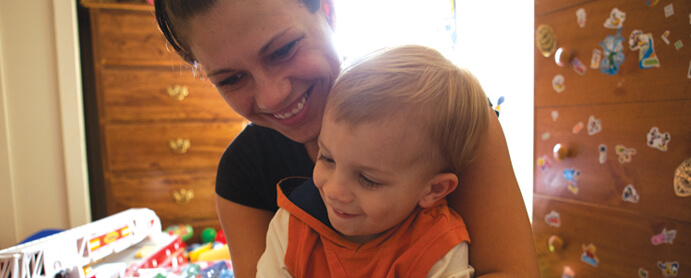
[337, 191]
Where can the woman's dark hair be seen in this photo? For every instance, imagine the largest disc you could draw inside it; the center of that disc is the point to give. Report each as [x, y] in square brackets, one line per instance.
[172, 14]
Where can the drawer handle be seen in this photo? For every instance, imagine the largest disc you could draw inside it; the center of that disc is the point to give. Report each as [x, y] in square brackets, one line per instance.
[555, 244]
[561, 151]
[183, 196]
[178, 92]
[179, 145]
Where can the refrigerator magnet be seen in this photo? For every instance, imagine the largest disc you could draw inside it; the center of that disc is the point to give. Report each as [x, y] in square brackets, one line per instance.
[651, 3]
[581, 17]
[588, 256]
[615, 20]
[578, 66]
[568, 273]
[577, 128]
[594, 125]
[657, 139]
[546, 40]
[571, 176]
[595, 59]
[669, 269]
[545, 136]
[665, 37]
[625, 154]
[678, 45]
[543, 163]
[553, 219]
[558, 83]
[664, 237]
[630, 194]
[612, 51]
[642, 273]
[669, 10]
[555, 113]
[603, 153]
[646, 53]
[682, 179]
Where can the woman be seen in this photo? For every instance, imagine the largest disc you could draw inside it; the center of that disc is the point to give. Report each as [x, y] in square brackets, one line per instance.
[273, 62]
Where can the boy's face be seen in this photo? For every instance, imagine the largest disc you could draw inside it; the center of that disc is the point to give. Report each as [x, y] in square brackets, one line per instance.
[370, 176]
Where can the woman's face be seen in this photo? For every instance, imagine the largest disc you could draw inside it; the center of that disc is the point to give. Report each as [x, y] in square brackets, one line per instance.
[273, 61]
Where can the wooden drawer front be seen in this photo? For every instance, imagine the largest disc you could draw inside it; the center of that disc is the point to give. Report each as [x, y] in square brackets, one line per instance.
[129, 37]
[145, 147]
[159, 194]
[632, 84]
[136, 94]
[650, 170]
[547, 6]
[623, 241]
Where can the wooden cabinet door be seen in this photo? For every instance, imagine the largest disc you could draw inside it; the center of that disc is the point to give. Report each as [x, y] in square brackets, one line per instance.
[609, 208]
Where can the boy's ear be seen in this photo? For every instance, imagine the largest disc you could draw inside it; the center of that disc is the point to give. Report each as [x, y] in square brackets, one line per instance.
[439, 186]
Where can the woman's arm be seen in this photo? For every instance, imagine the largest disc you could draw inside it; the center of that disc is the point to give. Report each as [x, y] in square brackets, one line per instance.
[490, 202]
[245, 229]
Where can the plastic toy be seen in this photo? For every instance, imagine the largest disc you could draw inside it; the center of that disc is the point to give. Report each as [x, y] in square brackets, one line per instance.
[184, 231]
[208, 235]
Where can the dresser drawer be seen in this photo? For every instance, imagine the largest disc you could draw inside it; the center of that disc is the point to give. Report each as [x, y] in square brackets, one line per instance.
[129, 37]
[161, 94]
[623, 241]
[168, 146]
[650, 171]
[631, 84]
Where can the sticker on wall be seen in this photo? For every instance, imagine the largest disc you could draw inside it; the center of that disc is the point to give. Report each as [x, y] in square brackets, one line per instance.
[546, 40]
[642, 273]
[568, 273]
[669, 10]
[594, 125]
[682, 179]
[603, 153]
[678, 44]
[545, 136]
[688, 74]
[581, 17]
[578, 66]
[646, 53]
[665, 37]
[571, 176]
[543, 163]
[588, 256]
[625, 154]
[553, 219]
[555, 113]
[669, 269]
[558, 83]
[630, 194]
[612, 47]
[577, 128]
[664, 237]
[657, 139]
[595, 59]
[615, 20]
[651, 3]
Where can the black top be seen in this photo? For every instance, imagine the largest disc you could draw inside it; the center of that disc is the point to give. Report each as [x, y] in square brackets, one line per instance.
[255, 162]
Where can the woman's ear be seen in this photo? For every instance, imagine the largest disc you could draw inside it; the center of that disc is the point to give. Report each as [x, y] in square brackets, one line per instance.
[439, 186]
[329, 13]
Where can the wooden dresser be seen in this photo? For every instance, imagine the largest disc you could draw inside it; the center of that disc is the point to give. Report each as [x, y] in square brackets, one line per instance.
[610, 208]
[162, 130]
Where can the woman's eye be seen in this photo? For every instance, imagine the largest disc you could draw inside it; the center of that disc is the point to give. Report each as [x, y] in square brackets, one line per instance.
[283, 52]
[368, 183]
[232, 80]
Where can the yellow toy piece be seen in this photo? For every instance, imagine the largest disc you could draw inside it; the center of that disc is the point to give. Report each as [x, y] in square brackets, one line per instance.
[194, 254]
[215, 254]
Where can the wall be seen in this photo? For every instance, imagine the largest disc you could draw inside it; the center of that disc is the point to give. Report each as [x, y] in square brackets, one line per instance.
[42, 158]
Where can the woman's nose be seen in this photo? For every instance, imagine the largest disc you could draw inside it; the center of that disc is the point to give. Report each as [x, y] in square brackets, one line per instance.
[271, 91]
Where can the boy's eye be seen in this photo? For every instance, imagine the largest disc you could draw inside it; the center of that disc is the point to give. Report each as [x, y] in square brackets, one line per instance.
[368, 183]
[325, 159]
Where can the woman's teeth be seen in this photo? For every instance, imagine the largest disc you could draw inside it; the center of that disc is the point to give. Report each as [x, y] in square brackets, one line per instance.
[295, 110]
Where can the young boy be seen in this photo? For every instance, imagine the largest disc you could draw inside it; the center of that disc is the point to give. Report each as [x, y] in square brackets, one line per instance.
[399, 126]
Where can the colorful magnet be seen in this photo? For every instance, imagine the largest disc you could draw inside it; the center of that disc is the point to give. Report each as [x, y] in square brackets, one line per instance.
[658, 140]
[588, 256]
[543, 163]
[555, 113]
[558, 83]
[594, 125]
[577, 128]
[678, 44]
[571, 175]
[651, 2]
[665, 36]
[553, 219]
[603, 153]
[615, 20]
[625, 154]
[568, 273]
[595, 59]
[613, 57]
[545, 136]
[630, 194]
[669, 269]
[682, 179]
[664, 237]
[581, 17]
[642, 273]
[669, 10]
[578, 66]
[546, 40]
[646, 53]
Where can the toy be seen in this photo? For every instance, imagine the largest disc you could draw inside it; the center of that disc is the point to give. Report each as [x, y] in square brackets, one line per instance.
[184, 231]
[220, 237]
[208, 235]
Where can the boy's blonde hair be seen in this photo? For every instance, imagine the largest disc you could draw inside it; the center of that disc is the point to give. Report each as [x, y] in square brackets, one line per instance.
[419, 83]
